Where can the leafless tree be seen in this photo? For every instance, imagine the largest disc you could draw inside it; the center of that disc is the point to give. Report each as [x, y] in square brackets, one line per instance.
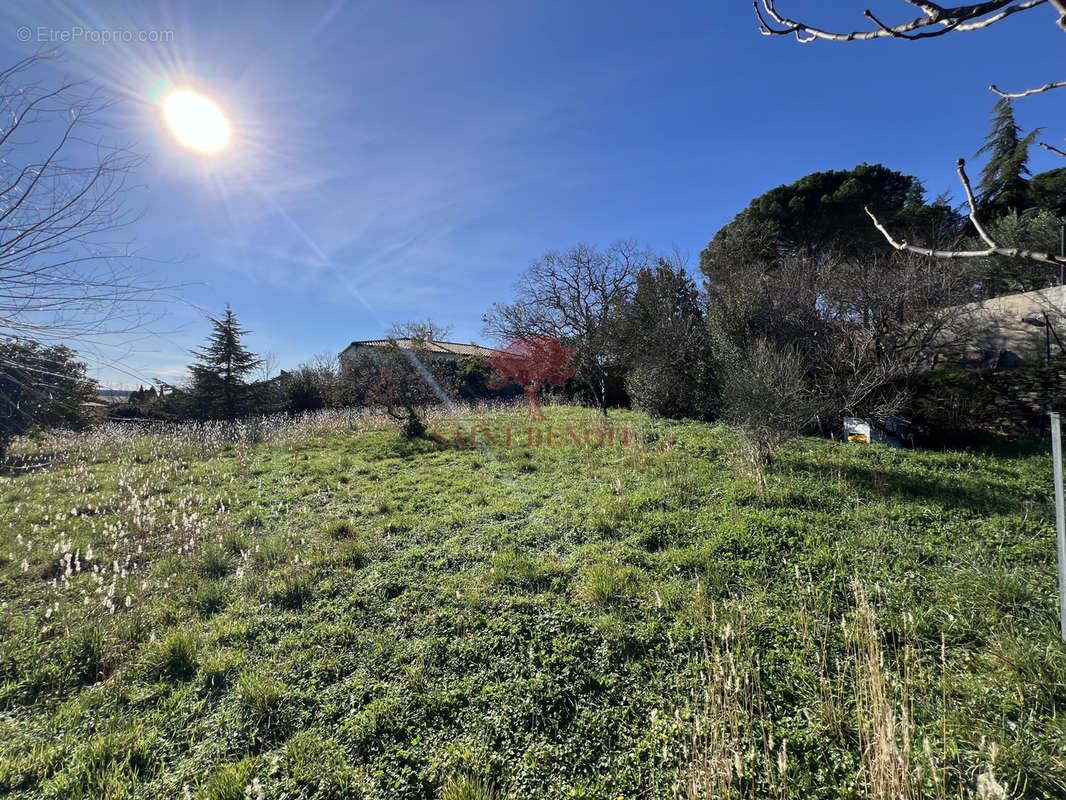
[935, 20]
[313, 384]
[881, 320]
[862, 325]
[575, 296]
[420, 331]
[64, 273]
[268, 366]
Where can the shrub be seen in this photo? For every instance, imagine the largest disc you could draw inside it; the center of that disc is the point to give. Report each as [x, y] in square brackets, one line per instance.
[290, 591]
[230, 782]
[766, 396]
[606, 583]
[174, 657]
[214, 561]
[666, 341]
[209, 597]
[405, 381]
[87, 654]
[313, 385]
[658, 390]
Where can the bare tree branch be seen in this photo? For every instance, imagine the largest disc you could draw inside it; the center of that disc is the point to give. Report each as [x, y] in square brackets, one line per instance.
[64, 277]
[994, 248]
[935, 21]
[1047, 87]
[1060, 6]
[942, 20]
[66, 274]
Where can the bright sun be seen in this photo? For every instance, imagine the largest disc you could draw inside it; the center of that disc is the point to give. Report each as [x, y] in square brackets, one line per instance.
[196, 122]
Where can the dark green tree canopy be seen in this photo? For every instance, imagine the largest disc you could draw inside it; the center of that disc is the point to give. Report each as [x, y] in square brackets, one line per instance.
[1047, 190]
[1003, 185]
[664, 342]
[41, 387]
[665, 295]
[825, 212]
[219, 375]
[1036, 229]
[825, 209]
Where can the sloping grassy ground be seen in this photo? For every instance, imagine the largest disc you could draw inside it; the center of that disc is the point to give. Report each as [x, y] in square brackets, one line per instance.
[337, 613]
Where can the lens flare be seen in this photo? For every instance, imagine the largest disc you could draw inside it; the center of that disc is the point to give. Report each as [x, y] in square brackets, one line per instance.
[196, 122]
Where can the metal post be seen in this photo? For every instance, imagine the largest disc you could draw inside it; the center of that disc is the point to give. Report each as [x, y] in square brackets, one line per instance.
[1060, 518]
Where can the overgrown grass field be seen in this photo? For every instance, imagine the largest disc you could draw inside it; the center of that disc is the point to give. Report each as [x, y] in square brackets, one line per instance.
[321, 609]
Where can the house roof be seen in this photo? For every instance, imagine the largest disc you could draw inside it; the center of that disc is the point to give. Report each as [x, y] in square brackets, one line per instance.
[112, 396]
[432, 346]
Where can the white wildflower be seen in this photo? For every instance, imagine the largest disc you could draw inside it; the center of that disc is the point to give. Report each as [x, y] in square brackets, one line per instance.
[988, 788]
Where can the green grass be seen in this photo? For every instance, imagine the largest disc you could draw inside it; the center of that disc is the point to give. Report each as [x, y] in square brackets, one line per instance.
[335, 613]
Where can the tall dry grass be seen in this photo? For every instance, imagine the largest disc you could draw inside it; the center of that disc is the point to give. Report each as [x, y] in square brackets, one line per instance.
[114, 439]
[731, 751]
[883, 709]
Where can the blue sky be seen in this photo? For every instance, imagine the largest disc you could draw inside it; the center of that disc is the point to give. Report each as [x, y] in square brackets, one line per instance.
[397, 160]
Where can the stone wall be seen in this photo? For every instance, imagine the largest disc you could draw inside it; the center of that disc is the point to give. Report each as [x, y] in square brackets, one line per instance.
[949, 405]
[1006, 331]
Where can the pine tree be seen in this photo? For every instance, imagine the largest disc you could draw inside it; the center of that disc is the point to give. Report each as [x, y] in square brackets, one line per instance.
[1003, 184]
[219, 388]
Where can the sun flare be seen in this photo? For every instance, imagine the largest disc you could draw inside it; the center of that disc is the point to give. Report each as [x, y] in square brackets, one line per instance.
[196, 121]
